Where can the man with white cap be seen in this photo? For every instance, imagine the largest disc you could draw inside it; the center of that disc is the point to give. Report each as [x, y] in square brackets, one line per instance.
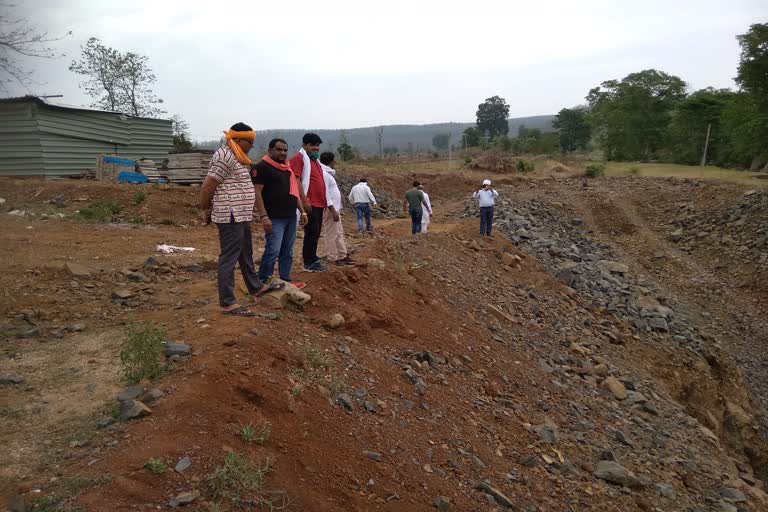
[486, 197]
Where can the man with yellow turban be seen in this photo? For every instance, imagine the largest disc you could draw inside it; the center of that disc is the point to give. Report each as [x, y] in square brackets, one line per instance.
[227, 198]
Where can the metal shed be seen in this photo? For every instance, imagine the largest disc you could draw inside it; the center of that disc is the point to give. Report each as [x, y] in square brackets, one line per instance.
[41, 138]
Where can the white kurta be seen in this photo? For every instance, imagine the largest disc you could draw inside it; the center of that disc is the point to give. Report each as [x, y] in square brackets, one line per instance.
[425, 216]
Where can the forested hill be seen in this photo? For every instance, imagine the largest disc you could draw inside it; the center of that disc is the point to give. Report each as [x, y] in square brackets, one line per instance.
[397, 135]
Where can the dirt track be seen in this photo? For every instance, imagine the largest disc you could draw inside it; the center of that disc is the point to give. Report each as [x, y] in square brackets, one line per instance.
[516, 350]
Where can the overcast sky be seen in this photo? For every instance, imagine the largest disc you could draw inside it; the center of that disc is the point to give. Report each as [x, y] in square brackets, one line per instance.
[345, 64]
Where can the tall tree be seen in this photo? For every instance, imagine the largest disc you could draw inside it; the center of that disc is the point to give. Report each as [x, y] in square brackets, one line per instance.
[572, 128]
[472, 136]
[630, 115]
[180, 129]
[692, 119]
[441, 141]
[492, 117]
[117, 81]
[752, 77]
[18, 39]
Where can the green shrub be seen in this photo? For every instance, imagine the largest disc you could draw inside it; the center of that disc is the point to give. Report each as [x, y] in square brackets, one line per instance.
[141, 351]
[525, 166]
[135, 219]
[155, 466]
[634, 170]
[467, 159]
[139, 197]
[594, 170]
[99, 211]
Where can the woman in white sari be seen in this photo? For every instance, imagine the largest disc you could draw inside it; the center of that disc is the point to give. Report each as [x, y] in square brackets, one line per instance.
[427, 217]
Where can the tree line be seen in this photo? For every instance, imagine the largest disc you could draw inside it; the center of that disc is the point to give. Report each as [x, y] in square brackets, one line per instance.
[649, 115]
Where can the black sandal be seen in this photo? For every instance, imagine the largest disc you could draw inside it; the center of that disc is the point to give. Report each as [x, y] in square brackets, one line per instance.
[239, 311]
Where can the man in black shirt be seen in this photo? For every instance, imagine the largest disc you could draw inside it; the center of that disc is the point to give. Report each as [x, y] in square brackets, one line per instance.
[277, 198]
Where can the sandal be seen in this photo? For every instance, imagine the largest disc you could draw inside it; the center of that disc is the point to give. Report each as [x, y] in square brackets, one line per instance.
[238, 311]
[268, 288]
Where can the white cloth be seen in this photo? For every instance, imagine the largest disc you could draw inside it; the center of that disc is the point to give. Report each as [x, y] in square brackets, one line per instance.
[486, 197]
[332, 192]
[306, 171]
[426, 218]
[361, 193]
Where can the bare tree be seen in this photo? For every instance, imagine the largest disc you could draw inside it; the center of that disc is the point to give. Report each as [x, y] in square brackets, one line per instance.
[379, 133]
[117, 81]
[18, 39]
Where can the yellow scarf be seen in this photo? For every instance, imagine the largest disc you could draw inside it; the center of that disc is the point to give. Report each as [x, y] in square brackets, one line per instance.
[230, 135]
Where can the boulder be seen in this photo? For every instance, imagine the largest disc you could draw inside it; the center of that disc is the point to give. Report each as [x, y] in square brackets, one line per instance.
[615, 473]
[614, 387]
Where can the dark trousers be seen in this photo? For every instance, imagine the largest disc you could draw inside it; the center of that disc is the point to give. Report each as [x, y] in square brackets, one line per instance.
[363, 211]
[236, 247]
[486, 220]
[416, 214]
[312, 235]
[278, 244]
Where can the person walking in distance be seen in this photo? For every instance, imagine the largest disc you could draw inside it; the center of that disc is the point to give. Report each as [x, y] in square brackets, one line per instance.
[277, 198]
[361, 197]
[226, 199]
[414, 200]
[486, 197]
[306, 166]
[333, 231]
[426, 219]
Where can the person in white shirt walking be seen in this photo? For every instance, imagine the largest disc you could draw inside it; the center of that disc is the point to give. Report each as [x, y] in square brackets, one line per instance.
[426, 219]
[486, 197]
[361, 198]
[332, 230]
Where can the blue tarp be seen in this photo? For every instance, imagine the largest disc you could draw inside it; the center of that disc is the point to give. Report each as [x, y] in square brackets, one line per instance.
[131, 177]
[119, 161]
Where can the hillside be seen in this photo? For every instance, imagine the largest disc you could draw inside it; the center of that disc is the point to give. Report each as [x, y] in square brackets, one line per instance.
[605, 350]
[398, 135]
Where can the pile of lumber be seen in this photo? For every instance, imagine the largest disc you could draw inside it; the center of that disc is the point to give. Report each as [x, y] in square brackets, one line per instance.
[187, 168]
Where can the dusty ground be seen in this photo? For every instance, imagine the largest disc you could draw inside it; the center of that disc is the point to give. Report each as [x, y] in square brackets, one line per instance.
[515, 350]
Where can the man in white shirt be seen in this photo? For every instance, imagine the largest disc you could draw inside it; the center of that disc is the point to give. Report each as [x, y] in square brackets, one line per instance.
[426, 219]
[332, 230]
[486, 197]
[361, 198]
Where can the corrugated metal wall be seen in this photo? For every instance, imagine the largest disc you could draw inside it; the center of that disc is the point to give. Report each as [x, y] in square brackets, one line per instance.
[38, 139]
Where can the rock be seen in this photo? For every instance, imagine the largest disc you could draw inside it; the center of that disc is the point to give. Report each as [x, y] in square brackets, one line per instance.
[723, 506]
[296, 297]
[122, 294]
[734, 495]
[528, 461]
[613, 386]
[658, 324]
[615, 473]
[623, 438]
[497, 494]
[650, 408]
[136, 277]
[508, 259]
[152, 395]
[132, 409]
[336, 321]
[612, 267]
[11, 378]
[77, 270]
[601, 370]
[676, 235]
[372, 455]
[151, 262]
[76, 327]
[176, 349]
[130, 393]
[183, 464]
[271, 316]
[343, 348]
[546, 433]
[104, 421]
[345, 401]
[441, 503]
[30, 332]
[376, 263]
[666, 490]
[184, 498]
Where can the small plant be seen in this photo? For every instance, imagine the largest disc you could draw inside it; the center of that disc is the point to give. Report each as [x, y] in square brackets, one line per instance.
[141, 351]
[594, 170]
[467, 159]
[139, 197]
[634, 170]
[99, 211]
[250, 433]
[155, 466]
[135, 219]
[314, 358]
[525, 166]
[238, 482]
